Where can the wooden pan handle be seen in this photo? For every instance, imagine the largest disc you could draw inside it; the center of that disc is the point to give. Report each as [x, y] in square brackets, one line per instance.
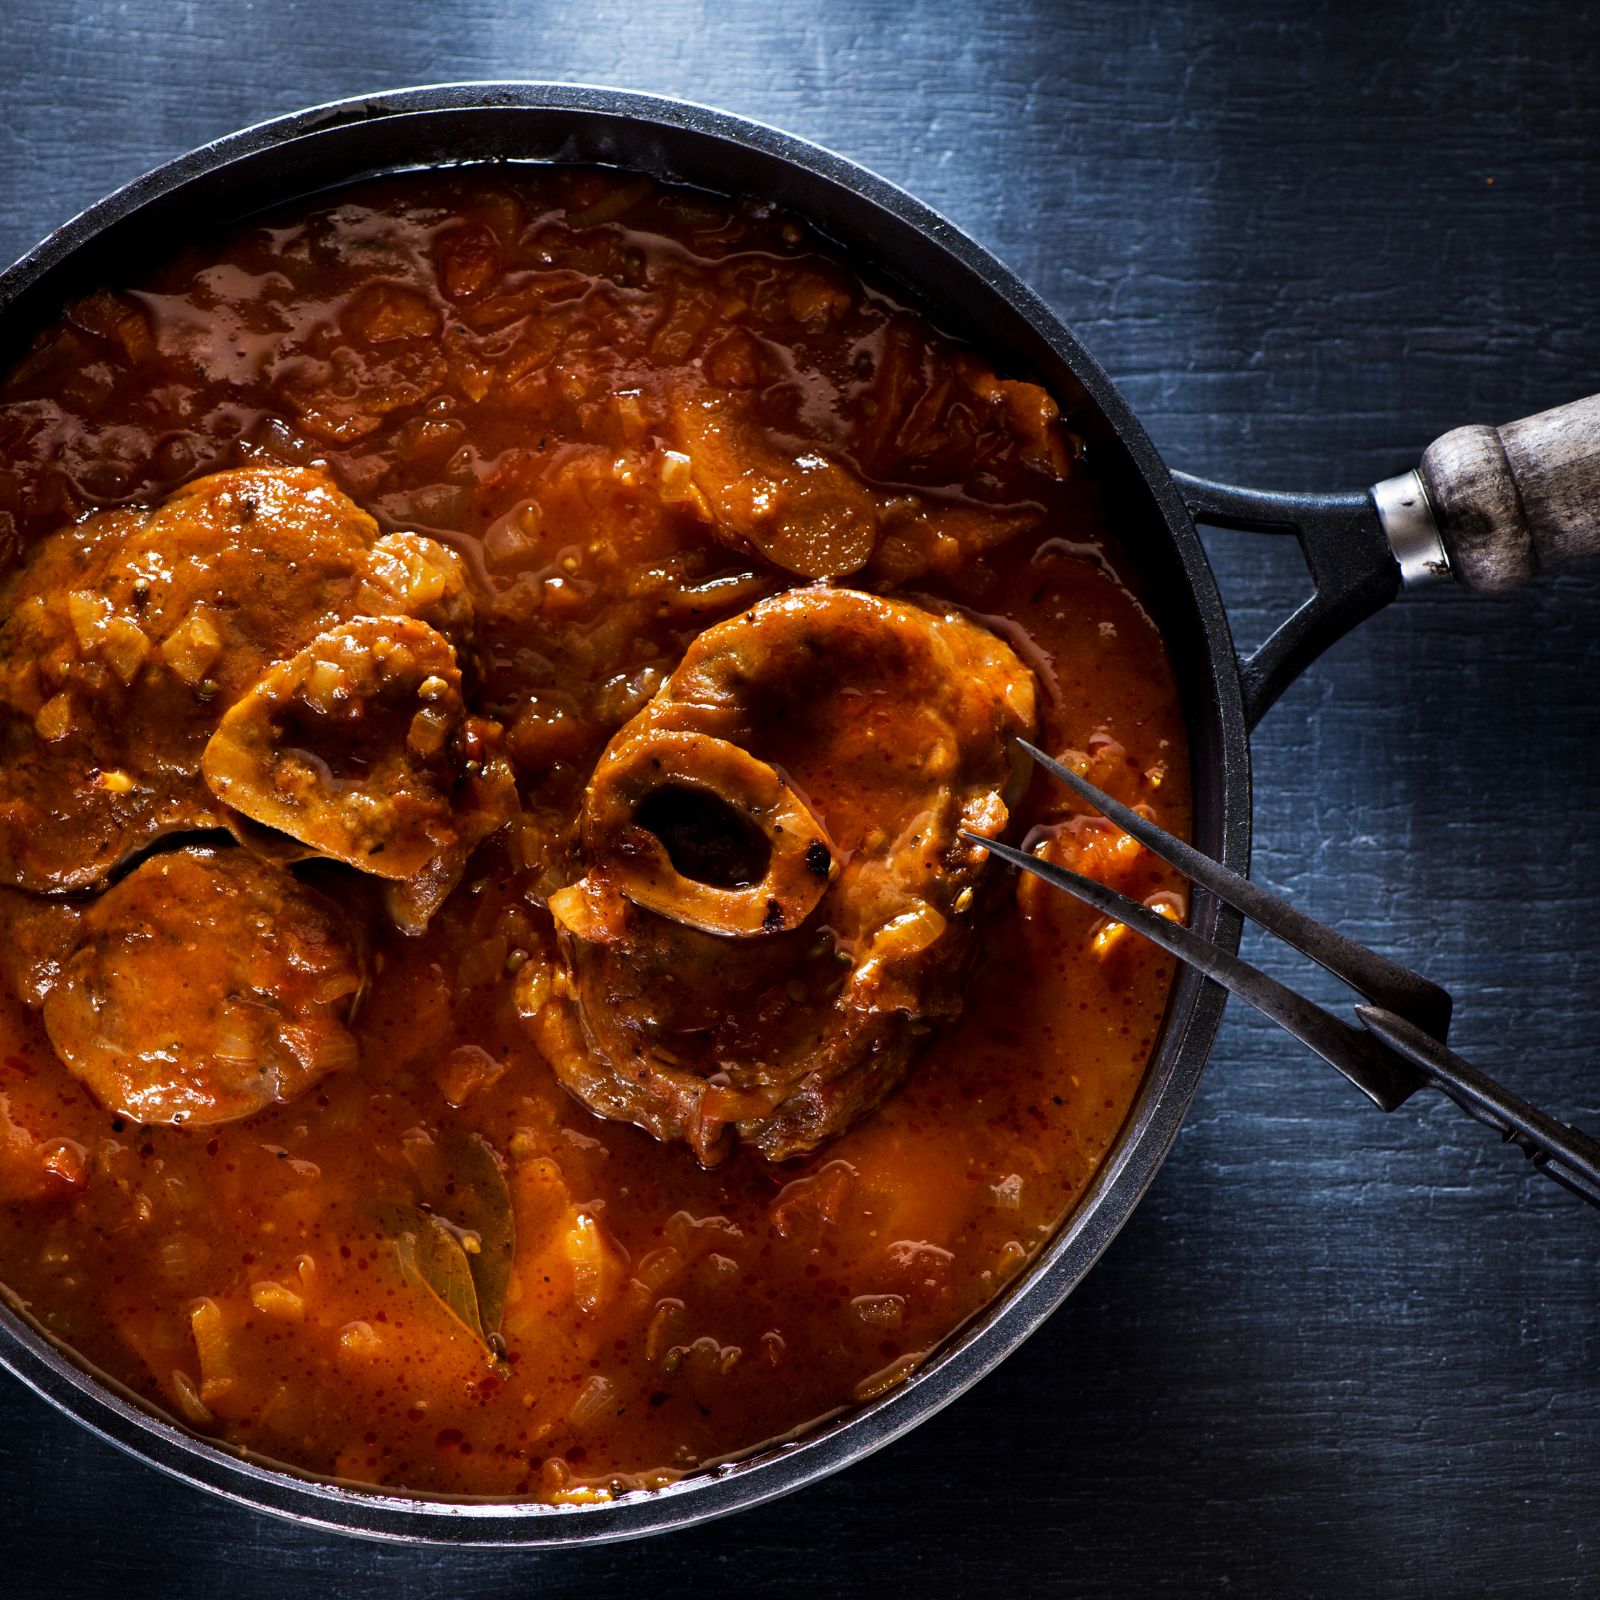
[1508, 501]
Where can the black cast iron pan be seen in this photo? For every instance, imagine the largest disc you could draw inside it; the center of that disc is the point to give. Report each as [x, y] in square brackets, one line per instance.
[1487, 506]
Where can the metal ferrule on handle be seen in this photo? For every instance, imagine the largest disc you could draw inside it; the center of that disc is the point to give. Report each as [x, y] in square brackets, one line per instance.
[1411, 528]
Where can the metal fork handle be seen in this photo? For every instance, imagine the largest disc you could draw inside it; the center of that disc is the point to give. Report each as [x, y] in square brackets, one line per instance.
[1561, 1152]
[1394, 987]
[1400, 1046]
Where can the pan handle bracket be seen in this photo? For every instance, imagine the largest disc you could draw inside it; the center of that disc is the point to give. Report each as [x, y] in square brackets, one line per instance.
[1346, 551]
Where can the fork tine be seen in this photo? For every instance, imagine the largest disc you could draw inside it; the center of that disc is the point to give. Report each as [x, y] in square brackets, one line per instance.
[1383, 1078]
[1398, 989]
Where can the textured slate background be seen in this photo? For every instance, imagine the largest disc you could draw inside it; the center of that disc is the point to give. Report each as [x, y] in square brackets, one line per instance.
[1332, 1353]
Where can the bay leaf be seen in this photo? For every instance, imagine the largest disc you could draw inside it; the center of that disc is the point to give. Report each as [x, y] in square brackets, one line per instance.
[480, 1202]
[459, 1241]
[432, 1257]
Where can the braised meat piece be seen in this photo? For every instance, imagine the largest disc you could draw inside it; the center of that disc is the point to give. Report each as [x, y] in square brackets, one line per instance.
[805, 509]
[125, 637]
[361, 749]
[271, 972]
[776, 907]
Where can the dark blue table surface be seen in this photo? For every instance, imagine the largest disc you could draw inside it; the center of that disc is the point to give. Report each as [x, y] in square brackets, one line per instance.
[1333, 1353]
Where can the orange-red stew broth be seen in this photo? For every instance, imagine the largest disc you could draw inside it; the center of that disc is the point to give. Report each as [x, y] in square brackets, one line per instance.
[494, 359]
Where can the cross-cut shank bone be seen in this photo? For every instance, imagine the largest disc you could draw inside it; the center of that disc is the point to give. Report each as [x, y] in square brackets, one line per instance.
[698, 1015]
[800, 860]
[360, 748]
[124, 638]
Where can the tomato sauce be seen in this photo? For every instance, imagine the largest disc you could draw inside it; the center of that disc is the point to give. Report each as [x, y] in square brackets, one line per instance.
[493, 358]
